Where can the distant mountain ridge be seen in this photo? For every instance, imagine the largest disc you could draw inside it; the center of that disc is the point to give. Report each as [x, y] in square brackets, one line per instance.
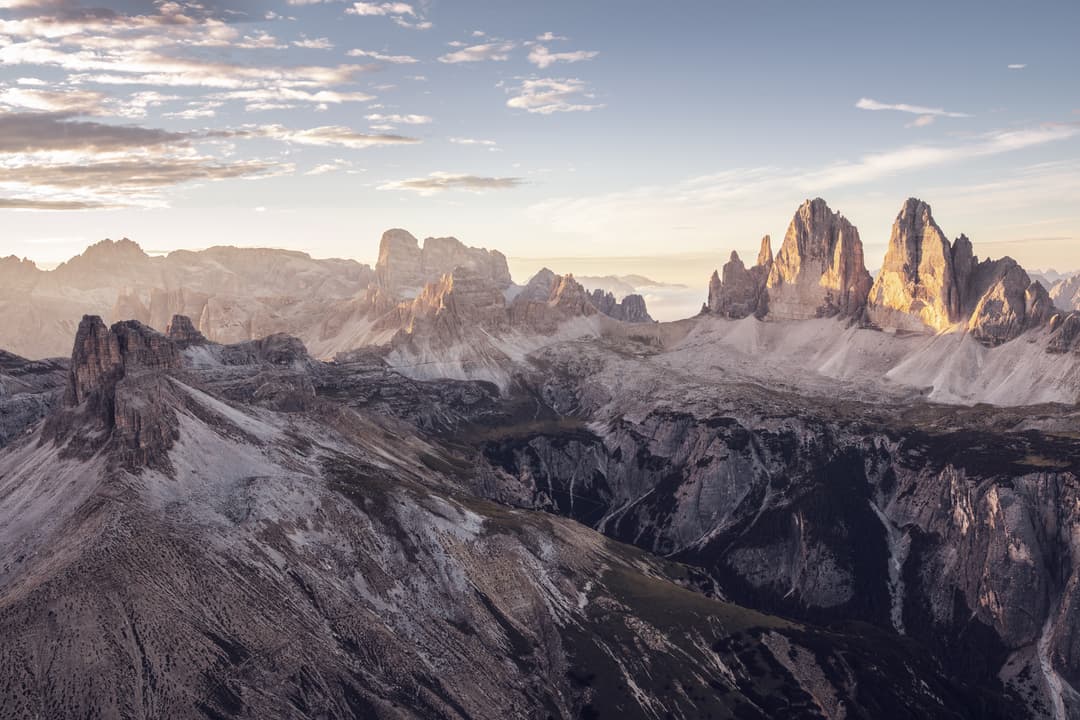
[237, 294]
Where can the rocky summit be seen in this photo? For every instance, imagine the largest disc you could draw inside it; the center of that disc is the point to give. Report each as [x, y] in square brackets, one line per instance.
[926, 284]
[819, 270]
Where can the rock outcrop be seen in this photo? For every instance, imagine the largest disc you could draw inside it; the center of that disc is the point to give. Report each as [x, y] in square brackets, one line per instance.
[917, 288]
[740, 292]
[404, 266]
[1008, 304]
[630, 309]
[1066, 293]
[820, 270]
[182, 332]
[118, 377]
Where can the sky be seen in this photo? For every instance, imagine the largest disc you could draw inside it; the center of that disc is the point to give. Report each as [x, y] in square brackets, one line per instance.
[658, 136]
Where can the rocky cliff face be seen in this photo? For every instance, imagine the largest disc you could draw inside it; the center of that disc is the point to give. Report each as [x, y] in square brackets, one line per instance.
[819, 271]
[926, 284]
[951, 527]
[740, 292]
[404, 266]
[918, 287]
[117, 393]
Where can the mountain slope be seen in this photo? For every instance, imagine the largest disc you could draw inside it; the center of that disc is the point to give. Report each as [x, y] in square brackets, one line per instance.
[170, 550]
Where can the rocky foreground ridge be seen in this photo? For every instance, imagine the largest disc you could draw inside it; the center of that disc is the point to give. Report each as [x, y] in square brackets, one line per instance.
[241, 531]
[926, 284]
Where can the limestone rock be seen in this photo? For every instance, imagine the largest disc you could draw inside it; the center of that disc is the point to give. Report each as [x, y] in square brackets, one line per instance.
[741, 291]
[1066, 293]
[399, 264]
[631, 308]
[1010, 304]
[96, 363]
[182, 332]
[819, 271]
[118, 378]
[1065, 332]
[403, 265]
[917, 287]
[442, 255]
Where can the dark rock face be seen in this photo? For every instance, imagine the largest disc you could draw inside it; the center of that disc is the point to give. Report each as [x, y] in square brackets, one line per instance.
[29, 389]
[96, 364]
[183, 333]
[958, 537]
[117, 377]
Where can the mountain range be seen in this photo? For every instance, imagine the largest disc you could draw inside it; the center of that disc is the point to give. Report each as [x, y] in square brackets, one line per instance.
[282, 487]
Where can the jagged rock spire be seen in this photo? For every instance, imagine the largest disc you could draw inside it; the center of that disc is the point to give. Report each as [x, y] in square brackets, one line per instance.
[819, 271]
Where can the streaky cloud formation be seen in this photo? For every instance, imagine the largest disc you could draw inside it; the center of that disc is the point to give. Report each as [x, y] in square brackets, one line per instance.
[868, 104]
[441, 181]
[493, 51]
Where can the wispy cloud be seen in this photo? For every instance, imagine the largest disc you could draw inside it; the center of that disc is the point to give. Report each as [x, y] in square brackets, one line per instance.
[543, 58]
[1017, 66]
[29, 204]
[552, 95]
[325, 136]
[314, 43]
[868, 104]
[381, 57]
[398, 119]
[381, 9]
[438, 182]
[706, 198]
[497, 51]
[472, 141]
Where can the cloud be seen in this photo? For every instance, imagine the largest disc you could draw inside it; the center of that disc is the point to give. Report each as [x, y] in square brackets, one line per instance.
[381, 9]
[868, 104]
[922, 121]
[37, 132]
[1017, 66]
[324, 136]
[542, 58]
[314, 43]
[27, 204]
[399, 119]
[83, 102]
[705, 200]
[393, 59]
[329, 167]
[472, 141]
[497, 51]
[549, 37]
[283, 95]
[438, 182]
[551, 95]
